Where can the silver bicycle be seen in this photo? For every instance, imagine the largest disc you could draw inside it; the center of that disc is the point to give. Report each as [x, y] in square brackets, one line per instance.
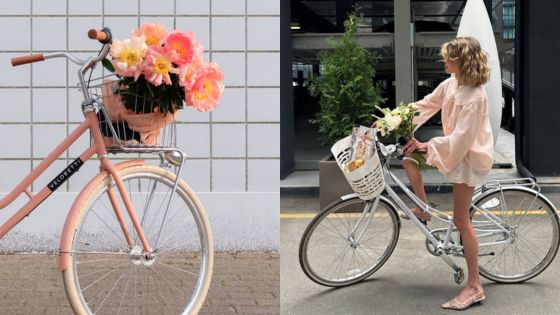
[516, 225]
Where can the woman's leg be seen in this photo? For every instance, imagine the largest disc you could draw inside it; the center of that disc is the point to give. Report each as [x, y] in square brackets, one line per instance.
[415, 178]
[462, 197]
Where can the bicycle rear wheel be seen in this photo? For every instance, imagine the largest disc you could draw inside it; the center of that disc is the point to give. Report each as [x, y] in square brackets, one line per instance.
[108, 277]
[331, 255]
[534, 234]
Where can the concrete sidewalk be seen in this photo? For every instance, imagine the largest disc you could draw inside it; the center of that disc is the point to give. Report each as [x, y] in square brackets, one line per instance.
[244, 283]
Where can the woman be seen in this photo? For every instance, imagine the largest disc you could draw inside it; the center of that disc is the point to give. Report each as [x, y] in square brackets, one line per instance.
[465, 153]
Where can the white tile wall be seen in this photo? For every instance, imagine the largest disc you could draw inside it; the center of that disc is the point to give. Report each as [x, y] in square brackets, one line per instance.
[50, 73]
[49, 33]
[194, 139]
[228, 175]
[233, 67]
[263, 33]
[121, 7]
[20, 40]
[13, 76]
[19, 101]
[231, 107]
[195, 7]
[228, 140]
[264, 140]
[57, 7]
[12, 173]
[229, 149]
[196, 174]
[263, 175]
[15, 8]
[263, 104]
[121, 26]
[46, 138]
[49, 105]
[228, 7]
[15, 140]
[78, 28]
[263, 69]
[85, 7]
[228, 33]
[157, 7]
[271, 7]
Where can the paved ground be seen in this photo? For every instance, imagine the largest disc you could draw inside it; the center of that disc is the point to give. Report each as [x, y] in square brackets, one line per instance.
[411, 282]
[244, 283]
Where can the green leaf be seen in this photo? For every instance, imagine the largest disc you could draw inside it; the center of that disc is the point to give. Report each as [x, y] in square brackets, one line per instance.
[108, 65]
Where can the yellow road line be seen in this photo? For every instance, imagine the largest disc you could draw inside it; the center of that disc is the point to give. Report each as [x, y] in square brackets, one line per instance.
[357, 215]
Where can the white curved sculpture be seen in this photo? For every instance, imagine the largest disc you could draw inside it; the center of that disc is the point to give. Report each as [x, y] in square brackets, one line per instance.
[476, 23]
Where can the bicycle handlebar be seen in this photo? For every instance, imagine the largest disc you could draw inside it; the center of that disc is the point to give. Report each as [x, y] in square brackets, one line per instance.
[16, 61]
[103, 36]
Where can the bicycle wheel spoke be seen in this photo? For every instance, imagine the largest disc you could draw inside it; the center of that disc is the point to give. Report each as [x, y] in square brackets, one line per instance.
[108, 294]
[124, 292]
[179, 269]
[102, 277]
[110, 229]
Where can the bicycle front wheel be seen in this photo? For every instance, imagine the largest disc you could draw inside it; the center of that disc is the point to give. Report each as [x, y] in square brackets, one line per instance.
[334, 253]
[532, 243]
[107, 276]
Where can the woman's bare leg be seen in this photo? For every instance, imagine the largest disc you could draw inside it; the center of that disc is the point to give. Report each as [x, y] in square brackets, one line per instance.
[462, 197]
[415, 179]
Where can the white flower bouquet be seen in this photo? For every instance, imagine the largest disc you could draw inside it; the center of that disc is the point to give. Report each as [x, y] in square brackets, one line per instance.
[398, 123]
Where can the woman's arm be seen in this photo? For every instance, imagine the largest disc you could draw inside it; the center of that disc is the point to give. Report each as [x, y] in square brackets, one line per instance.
[445, 153]
[430, 105]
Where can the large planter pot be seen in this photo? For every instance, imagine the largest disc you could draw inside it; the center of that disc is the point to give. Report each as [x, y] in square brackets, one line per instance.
[332, 183]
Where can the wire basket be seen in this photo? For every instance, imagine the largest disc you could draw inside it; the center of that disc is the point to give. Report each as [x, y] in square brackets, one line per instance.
[136, 126]
[367, 181]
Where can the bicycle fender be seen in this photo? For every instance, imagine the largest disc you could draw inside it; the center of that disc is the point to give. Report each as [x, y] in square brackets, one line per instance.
[65, 258]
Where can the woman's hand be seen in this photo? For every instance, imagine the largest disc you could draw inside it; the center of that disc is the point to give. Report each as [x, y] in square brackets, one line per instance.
[415, 145]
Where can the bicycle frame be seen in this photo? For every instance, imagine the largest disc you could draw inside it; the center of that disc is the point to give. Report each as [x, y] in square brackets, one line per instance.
[494, 226]
[98, 147]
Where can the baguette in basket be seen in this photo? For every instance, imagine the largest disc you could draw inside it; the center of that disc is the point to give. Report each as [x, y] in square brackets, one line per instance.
[362, 147]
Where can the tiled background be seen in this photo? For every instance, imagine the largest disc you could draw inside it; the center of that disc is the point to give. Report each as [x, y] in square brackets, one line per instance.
[233, 152]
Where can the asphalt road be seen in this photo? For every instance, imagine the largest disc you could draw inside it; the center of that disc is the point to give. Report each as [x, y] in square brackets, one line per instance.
[411, 282]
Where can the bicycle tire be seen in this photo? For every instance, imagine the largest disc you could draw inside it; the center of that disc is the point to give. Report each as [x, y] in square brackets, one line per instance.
[311, 260]
[532, 207]
[176, 279]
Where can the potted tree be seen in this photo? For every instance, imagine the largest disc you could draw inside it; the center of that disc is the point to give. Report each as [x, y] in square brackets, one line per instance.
[347, 97]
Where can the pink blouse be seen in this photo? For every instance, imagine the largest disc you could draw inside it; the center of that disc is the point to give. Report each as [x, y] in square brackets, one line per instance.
[467, 142]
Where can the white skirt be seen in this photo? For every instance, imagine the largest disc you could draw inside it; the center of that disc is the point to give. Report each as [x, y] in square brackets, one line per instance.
[464, 174]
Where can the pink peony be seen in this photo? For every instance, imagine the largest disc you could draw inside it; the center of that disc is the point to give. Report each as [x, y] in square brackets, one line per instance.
[206, 89]
[128, 56]
[188, 71]
[154, 33]
[158, 66]
[185, 45]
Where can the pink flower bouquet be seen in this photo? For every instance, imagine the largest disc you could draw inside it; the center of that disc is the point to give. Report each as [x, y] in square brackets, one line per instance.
[158, 71]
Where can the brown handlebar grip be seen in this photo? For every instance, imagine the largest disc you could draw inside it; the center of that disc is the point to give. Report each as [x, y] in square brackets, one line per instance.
[95, 34]
[16, 61]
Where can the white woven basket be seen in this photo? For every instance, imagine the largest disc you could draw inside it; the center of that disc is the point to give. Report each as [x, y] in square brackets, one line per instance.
[367, 181]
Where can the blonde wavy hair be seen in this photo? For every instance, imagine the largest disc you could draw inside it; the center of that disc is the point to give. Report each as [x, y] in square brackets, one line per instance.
[472, 60]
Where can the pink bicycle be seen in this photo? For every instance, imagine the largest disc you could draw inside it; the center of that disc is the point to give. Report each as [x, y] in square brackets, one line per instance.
[136, 239]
